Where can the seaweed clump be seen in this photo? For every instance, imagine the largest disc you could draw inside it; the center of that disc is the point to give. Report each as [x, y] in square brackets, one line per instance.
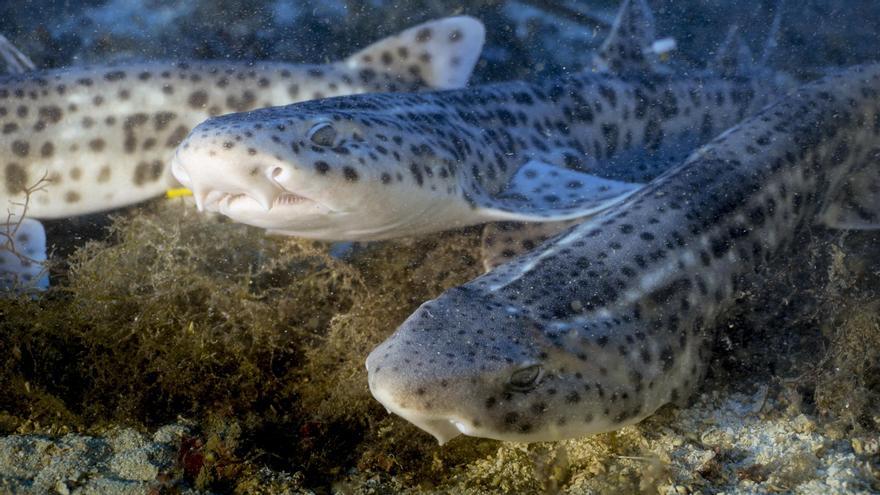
[259, 343]
[847, 385]
[174, 315]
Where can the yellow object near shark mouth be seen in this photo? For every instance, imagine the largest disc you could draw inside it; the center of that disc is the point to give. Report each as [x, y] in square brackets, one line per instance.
[178, 192]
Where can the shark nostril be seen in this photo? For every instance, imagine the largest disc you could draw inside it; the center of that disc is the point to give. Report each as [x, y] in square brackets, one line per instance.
[278, 174]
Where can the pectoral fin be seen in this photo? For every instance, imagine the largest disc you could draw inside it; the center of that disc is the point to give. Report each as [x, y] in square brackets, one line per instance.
[540, 192]
[23, 256]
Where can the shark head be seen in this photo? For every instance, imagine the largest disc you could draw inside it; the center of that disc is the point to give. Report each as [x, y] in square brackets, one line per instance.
[319, 170]
[471, 363]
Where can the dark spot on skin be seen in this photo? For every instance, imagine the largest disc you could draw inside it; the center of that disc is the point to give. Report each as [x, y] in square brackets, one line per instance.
[50, 114]
[97, 145]
[322, 167]
[21, 148]
[47, 150]
[71, 197]
[147, 172]
[416, 173]
[176, 137]
[198, 99]
[104, 174]
[423, 35]
[161, 120]
[75, 173]
[511, 418]
[350, 174]
[16, 178]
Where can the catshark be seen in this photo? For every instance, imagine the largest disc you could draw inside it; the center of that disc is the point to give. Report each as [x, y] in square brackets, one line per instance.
[370, 167]
[604, 323]
[89, 139]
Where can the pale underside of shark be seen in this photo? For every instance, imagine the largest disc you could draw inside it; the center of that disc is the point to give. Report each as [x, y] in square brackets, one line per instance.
[89, 139]
[609, 320]
[369, 167]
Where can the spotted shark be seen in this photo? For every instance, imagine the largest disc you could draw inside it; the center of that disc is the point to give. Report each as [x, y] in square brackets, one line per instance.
[604, 323]
[379, 166]
[89, 139]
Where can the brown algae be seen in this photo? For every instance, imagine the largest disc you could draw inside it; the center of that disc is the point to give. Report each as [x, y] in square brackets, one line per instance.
[260, 341]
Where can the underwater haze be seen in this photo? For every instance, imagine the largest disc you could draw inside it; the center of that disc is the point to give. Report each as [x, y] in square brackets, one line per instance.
[498, 246]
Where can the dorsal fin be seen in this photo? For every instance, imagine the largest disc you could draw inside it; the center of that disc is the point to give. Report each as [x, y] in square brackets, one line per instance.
[733, 57]
[627, 48]
[442, 52]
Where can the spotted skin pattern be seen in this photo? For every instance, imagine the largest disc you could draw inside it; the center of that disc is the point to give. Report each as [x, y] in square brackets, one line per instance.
[103, 135]
[604, 323]
[368, 167]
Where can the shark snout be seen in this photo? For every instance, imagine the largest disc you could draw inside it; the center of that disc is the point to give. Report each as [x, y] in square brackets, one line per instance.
[217, 176]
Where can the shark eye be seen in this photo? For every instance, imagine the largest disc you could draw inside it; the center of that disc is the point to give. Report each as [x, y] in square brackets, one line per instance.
[323, 134]
[525, 379]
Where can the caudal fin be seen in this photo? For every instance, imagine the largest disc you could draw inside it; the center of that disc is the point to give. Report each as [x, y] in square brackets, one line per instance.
[441, 53]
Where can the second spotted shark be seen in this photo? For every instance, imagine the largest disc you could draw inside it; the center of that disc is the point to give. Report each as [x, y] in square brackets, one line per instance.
[370, 167]
[606, 322]
[89, 139]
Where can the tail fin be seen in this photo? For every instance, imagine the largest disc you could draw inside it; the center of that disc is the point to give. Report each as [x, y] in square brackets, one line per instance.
[442, 52]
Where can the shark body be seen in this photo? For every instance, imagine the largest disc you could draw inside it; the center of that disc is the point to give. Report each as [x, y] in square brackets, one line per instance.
[90, 139]
[368, 167]
[102, 136]
[389, 165]
[611, 319]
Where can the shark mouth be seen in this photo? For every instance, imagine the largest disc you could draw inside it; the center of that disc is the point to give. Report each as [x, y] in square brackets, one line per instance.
[226, 202]
[442, 428]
